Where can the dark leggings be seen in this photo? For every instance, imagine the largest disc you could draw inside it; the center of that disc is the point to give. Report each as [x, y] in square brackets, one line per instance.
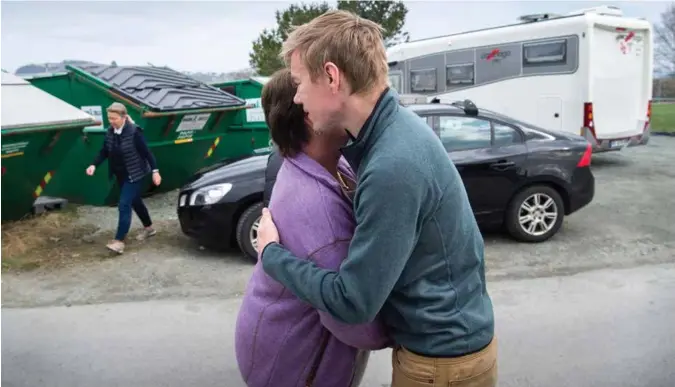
[130, 197]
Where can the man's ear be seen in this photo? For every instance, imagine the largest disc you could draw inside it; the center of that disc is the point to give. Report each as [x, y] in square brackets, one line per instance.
[333, 74]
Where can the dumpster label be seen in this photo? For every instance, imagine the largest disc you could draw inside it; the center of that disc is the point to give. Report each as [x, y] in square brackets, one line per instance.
[193, 122]
[256, 113]
[13, 149]
[97, 113]
[184, 136]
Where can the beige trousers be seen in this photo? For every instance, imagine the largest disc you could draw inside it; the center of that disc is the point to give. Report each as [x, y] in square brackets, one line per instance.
[475, 370]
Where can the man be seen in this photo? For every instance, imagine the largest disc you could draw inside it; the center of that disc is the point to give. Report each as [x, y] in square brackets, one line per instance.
[416, 256]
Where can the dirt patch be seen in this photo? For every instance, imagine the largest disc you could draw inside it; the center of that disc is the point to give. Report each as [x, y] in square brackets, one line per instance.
[57, 239]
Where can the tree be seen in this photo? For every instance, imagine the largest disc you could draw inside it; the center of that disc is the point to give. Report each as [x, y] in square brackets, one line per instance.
[665, 42]
[389, 14]
[264, 56]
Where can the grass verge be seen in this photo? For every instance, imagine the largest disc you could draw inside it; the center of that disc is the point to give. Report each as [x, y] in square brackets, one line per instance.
[663, 118]
[55, 239]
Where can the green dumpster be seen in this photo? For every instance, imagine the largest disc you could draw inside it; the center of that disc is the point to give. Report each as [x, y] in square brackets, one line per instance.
[184, 121]
[38, 131]
[248, 128]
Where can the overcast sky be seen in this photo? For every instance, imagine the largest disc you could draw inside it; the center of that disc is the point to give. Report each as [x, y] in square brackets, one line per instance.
[217, 35]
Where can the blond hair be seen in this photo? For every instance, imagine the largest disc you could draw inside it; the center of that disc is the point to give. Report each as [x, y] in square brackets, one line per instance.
[118, 108]
[352, 43]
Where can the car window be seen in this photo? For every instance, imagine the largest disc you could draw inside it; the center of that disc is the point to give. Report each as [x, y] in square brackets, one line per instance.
[462, 133]
[534, 135]
[506, 135]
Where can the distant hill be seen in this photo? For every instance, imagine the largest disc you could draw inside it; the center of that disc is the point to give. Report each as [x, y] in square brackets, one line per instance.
[50, 68]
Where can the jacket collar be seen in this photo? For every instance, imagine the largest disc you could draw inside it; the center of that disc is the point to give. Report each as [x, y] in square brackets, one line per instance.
[125, 128]
[381, 116]
[312, 168]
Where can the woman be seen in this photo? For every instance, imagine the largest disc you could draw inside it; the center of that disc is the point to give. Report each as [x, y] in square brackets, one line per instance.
[130, 161]
[280, 340]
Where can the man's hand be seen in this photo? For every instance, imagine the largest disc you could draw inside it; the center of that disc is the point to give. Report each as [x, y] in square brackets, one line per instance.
[267, 231]
[90, 170]
[156, 178]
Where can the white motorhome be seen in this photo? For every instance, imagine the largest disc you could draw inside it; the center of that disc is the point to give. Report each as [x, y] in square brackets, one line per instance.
[588, 72]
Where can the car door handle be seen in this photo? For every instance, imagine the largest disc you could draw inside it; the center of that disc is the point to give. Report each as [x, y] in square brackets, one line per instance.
[502, 165]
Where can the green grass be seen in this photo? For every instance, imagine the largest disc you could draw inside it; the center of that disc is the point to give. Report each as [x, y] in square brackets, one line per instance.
[663, 117]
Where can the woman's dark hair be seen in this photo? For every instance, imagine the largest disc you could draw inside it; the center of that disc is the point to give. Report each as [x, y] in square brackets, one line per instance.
[284, 118]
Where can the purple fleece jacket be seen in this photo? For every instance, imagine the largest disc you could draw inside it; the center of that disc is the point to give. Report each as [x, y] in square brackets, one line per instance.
[278, 336]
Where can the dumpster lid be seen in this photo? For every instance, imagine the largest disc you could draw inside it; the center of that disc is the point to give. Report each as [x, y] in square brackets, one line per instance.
[160, 88]
[261, 80]
[24, 106]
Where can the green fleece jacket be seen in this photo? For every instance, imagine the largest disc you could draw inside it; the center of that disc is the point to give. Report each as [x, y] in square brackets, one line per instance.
[416, 255]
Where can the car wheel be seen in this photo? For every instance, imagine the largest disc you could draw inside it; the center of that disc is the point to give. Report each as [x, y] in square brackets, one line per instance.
[535, 214]
[247, 231]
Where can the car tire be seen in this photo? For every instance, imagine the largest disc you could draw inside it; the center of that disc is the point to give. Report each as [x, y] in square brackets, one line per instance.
[537, 224]
[245, 232]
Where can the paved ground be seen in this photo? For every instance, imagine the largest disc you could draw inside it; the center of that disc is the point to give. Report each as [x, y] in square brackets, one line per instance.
[629, 223]
[600, 328]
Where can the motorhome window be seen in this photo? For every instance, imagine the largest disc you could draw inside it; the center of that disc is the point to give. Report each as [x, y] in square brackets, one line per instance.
[551, 52]
[459, 75]
[423, 80]
[395, 81]
[459, 133]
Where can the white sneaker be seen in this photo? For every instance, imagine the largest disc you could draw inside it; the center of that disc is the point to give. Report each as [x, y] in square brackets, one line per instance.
[146, 233]
[116, 246]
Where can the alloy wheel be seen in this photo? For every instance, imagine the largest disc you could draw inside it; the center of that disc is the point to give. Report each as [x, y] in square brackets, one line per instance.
[253, 233]
[537, 214]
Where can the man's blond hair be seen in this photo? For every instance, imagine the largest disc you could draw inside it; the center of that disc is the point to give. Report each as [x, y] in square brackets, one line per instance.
[352, 43]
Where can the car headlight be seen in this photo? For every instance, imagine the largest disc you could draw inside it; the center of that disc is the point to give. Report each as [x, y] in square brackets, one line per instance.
[210, 194]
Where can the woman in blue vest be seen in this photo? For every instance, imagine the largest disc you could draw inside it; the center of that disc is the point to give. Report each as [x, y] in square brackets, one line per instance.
[130, 161]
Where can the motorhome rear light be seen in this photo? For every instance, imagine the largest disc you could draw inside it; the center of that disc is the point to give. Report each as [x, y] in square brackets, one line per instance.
[588, 117]
[620, 29]
[585, 160]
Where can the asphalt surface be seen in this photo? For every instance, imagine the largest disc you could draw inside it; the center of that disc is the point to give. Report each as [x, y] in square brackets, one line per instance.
[629, 223]
[600, 328]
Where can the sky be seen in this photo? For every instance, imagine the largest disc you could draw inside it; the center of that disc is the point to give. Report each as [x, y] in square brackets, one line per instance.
[216, 36]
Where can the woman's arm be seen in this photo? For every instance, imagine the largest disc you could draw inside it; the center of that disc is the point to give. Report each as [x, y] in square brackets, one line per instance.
[369, 336]
[143, 149]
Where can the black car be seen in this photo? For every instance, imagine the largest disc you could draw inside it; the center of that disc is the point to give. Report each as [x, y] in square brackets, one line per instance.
[517, 175]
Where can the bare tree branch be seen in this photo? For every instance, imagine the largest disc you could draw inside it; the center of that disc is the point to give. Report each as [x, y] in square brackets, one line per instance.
[665, 41]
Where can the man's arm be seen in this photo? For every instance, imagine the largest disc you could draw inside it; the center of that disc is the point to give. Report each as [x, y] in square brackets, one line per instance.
[369, 336]
[388, 215]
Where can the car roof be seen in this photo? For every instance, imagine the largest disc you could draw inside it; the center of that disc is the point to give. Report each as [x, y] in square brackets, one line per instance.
[445, 108]
[440, 108]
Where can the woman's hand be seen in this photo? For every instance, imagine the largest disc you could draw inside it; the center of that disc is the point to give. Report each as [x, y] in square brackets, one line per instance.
[156, 178]
[91, 169]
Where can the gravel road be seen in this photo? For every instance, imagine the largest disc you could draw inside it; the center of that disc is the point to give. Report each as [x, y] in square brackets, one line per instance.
[629, 223]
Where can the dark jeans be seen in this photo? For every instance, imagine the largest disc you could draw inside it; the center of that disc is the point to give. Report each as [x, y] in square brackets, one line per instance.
[130, 197]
